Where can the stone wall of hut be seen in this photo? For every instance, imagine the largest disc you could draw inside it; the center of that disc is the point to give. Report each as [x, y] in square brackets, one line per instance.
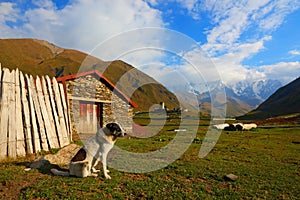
[116, 109]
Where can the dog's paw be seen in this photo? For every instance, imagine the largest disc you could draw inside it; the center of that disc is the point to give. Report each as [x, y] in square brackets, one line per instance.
[107, 176]
[95, 170]
[94, 175]
[107, 171]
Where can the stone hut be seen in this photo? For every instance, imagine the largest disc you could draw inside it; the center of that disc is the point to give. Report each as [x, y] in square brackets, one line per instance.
[94, 101]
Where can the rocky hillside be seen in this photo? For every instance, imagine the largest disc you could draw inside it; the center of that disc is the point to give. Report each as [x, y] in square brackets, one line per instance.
[285, 101]
[38, 57]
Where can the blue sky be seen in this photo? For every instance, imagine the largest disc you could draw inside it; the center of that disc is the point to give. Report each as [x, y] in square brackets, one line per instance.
[245, 40]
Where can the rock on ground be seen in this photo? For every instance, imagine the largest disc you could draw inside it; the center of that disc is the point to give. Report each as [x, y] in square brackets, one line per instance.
[64, 155]
[231, 177]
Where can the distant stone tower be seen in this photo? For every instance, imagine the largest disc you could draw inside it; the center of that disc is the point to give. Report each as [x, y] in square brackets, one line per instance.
[162, 104]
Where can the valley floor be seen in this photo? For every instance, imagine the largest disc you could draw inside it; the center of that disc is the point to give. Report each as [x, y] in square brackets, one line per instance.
[266, 162]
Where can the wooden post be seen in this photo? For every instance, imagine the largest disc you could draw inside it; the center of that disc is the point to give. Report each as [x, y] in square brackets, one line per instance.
[12, 136]
[65, 108]
[49, 111]
[69, 116]
[19, 118]
[64, 134]
[49, 133]
[54, 111]
[38, 113]
[4, 113]
[35, 133]
[26, 116]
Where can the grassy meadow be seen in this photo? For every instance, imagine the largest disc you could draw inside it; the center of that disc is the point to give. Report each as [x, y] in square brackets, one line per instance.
[266, 161]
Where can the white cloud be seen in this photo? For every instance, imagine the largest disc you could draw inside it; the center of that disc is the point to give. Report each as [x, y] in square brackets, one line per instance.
[47, 4]
[294, 52]
[152, 2]
[185, 7]
[8, 14]
[228, 65]
[283, 71]
[232, 19]
[192, 6]
[83, 24]
[273, 14]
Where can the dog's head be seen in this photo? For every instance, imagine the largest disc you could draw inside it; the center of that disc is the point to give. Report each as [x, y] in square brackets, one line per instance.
[115, 129]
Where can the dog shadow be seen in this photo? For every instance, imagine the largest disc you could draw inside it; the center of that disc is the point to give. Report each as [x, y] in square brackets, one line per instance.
[44, 166]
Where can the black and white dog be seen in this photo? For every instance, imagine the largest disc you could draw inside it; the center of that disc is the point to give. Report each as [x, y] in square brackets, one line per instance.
[94, 150]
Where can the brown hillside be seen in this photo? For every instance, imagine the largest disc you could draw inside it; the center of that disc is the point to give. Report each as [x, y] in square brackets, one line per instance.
[38, 57]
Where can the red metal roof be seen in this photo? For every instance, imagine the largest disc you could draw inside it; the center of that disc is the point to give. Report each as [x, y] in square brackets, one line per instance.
[100, 75]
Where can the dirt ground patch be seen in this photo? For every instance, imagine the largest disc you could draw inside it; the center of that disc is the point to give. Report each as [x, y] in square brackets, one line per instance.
[11, 188]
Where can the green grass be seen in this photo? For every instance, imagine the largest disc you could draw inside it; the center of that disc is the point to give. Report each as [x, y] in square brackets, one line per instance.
[265, 160]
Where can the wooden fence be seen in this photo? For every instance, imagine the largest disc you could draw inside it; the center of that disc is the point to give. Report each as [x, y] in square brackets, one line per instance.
[33, 114]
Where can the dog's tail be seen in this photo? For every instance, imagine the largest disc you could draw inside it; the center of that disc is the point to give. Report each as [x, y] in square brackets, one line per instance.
[59, 173]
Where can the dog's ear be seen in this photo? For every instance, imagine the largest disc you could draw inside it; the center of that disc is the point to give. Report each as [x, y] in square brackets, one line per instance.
[109, 126]
[113, 127]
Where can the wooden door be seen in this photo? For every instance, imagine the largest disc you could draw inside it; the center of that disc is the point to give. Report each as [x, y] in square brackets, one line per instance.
[88, 119]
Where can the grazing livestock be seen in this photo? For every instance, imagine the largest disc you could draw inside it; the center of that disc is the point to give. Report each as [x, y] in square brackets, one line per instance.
[231, 127]
[239, 127]
[249, 126]
[235, 124]
[220, 126]
[234, 127]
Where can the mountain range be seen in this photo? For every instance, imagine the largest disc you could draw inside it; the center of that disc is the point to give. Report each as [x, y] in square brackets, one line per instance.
[254, 92]
[285, 101]
[244, 96]
[241, 97]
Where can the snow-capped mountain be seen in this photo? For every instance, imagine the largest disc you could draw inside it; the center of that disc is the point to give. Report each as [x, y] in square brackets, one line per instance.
[241, 97]
[253, 93]
[283, 102]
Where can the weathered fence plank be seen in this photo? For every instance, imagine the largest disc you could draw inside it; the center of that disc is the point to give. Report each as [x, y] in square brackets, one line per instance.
[12, 137]
[4, 113]
[35, 133]
[26, 116]
[19, 118]
[40, 121]
[54, 110]
[64, 133]
[53, 142]
[65, 108]
[70, 121]
[3, 136]
[53, 136]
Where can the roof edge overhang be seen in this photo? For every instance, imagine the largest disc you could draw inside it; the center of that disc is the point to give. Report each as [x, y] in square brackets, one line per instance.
[101, 76]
